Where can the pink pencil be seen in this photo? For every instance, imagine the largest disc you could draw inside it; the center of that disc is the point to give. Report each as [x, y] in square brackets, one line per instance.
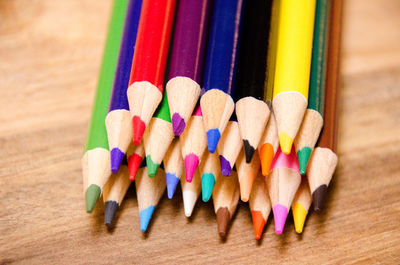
[193, 143]
[282, 182]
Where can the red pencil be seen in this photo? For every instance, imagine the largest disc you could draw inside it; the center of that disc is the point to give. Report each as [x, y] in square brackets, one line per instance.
[149, 61]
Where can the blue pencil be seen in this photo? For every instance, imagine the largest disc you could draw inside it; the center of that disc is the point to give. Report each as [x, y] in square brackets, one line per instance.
[219, 76]
[118, 120]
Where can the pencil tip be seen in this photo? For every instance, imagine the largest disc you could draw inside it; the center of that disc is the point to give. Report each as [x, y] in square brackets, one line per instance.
[299, 216]
[116, 156]
[145, 216]
[266, 157]
[189, 201]
[178, 124]
[134, 162]
[172, 182]
[138, 129]
[151, 167]
[191, 164]
[280, 215]
[248, 150]
[223, 218]
[258, 223]
[110, 209]
[225, 166]
[92, 194]
[285, 142]
[213, 136]
[319, 197]
[207, 186]
[304, 155]
[246, 184]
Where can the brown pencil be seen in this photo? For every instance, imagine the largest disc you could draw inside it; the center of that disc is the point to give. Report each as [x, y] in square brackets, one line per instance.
[323, 159]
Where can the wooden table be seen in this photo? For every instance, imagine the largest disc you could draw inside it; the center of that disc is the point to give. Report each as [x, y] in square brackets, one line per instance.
[50, 52]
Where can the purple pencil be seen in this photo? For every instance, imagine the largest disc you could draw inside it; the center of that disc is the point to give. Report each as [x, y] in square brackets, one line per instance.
[187, 60]
[118, 119]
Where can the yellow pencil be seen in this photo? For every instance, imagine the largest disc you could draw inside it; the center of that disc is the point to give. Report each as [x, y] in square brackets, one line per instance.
[292, 73]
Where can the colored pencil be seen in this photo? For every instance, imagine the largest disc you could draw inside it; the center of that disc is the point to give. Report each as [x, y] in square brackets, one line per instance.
[260, 205]
[96, 159]
[225, 197]
[149, 191]
[135, 155]
[149, 62]
[269, 144]
[283, 182]
[119, 127]
[158, 137]
[292, 69]
[323, 160]
[193, 143]
[187, 60]
[220, 70]
[251, 110]
[173, 165]
[114, 192]
[269, 140]
[229, 147]
[247, 172]
[313, 118]
[210, 172]
[190, 192]
[301, 203]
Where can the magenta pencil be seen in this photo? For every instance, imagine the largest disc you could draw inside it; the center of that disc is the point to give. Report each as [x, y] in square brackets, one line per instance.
[193, 143]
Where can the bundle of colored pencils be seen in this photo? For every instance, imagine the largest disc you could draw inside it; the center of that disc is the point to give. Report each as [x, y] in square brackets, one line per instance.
[172, 74]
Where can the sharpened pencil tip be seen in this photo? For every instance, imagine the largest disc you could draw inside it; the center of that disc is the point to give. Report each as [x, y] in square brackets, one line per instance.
[246, 184]
[319, 197]
[225, 166]
[280, 215]
[92, 194]
[138, 129]
[178, 124]
[134, 162]
[248, 151]
[110, 209]
[299, 216]
[207, 186]
[285, 142]
[191, 164]
[258, 223]
[213, 136]
[116, 157]
[145, 216]
[304, 155]
[223, 218]
[189, 201]
[266, 157]
[151, 167]
[172, 182]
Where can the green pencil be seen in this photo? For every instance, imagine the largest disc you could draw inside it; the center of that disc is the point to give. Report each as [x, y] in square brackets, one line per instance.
[158, 136]
[96, 158]
[313, 118]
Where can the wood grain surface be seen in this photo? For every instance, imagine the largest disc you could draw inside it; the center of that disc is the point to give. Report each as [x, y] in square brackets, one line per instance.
[50, 54]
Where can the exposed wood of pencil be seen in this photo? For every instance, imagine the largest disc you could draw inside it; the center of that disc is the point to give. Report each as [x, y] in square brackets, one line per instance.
[149, 190]
[217, 108]
[268, 145]
[190, 192]
[229, 147]
[225, 198]
[157, 138]
[173, 162]
[282, 185]
[247, 172]
[117, 186]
